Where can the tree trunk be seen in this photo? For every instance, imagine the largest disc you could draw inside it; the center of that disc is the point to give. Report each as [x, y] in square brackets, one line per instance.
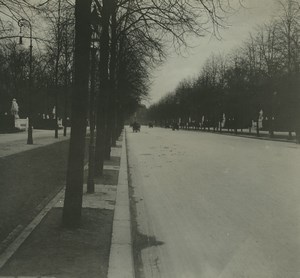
[74, 183]
[102, 101]
[113, 68]
[109, 128]
[66, 109]
[58, 52]
[116, 127]
[112, 75]
[91, 173]
[100, 138]
[235, 125]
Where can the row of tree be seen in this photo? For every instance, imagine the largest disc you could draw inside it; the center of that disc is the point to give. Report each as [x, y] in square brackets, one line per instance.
[133, 38]
[96, 55]
[262, 75]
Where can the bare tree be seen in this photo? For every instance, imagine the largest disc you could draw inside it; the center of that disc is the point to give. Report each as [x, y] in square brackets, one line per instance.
[152, 25]
[74, 185]
[289, 38]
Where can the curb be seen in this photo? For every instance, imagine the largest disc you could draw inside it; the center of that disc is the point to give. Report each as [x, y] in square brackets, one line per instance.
[121, 257]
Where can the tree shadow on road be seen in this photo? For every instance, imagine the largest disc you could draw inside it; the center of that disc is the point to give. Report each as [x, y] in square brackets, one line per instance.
[144, 241]
[140, 241]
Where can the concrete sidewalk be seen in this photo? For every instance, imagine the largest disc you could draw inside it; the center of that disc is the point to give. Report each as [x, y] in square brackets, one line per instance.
[112, 200]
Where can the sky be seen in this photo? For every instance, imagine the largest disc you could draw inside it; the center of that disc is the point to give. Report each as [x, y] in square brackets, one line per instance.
[176, 68]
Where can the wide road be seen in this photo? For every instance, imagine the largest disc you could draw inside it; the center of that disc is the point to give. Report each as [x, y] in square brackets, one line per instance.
[210, 205]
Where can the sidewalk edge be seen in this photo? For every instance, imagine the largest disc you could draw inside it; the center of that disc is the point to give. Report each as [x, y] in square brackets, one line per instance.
[121, 258]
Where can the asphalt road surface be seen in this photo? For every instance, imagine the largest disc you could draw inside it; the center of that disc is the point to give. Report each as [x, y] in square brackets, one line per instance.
[214, 205]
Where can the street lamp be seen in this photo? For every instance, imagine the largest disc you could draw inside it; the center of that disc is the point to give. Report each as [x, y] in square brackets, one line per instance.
[24, 22]
[272, 118]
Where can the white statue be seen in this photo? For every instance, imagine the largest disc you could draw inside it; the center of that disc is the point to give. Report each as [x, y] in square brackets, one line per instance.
[223, 120]
[14, 110]
[260, 119]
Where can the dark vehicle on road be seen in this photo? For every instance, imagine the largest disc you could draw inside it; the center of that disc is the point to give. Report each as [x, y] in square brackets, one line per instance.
[175, 126]
[136, 127]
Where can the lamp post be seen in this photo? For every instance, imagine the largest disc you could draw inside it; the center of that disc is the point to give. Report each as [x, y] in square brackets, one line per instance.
[273, 111]
[23, 22]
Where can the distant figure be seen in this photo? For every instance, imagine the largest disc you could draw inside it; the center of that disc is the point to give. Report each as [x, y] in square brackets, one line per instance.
[136, 127]
[175, 126]
[14, 110]
[53, 112]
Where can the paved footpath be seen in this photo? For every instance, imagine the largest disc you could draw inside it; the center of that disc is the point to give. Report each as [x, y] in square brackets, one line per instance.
[13, 143]
[108, 197]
